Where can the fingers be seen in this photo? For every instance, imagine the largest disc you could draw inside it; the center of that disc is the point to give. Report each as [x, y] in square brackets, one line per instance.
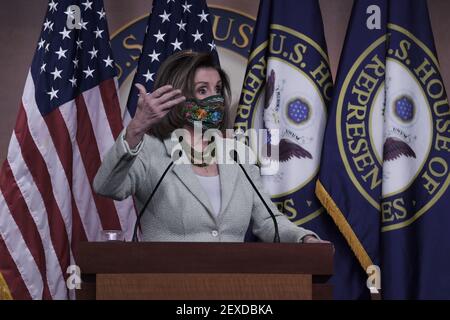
[169, 104]
[141, 88]
[154, 106]
[168, 96]
[160, 91]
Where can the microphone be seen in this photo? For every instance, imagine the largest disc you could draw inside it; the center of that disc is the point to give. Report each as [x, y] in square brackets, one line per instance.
[141, 213]
[234, 156]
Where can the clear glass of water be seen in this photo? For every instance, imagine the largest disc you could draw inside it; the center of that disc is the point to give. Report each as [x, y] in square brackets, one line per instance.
[112, 235]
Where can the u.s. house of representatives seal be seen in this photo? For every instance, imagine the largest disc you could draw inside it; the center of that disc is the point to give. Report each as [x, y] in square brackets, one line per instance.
[286, 92]
[393, 128]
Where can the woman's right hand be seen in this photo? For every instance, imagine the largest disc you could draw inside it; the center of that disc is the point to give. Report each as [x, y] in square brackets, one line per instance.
[150, 109]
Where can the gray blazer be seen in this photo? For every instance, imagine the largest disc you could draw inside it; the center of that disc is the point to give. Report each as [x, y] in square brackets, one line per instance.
[180, 209]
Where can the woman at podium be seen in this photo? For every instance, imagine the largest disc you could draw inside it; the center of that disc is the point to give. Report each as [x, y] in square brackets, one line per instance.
[195, 200]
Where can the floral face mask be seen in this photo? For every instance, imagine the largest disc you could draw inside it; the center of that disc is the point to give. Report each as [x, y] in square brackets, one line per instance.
[209, 111]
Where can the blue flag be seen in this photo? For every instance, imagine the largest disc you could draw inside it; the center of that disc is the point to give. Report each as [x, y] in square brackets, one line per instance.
[384, 172]
[286, 91]
[172, 26]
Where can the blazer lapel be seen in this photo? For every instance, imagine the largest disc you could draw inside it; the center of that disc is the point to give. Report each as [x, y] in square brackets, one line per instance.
[185, 173]
[228, 176]
[228, 171]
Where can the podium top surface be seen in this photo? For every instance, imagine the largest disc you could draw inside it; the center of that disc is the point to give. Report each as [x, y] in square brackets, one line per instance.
[198, 257]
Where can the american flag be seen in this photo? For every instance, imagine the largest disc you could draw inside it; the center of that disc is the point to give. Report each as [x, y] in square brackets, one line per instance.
[68, 118]
[173, 25]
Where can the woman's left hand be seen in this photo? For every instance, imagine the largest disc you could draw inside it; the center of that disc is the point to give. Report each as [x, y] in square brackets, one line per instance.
[312, 239]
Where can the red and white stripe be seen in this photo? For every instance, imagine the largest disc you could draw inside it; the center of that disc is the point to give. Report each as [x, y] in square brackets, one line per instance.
[47, 203]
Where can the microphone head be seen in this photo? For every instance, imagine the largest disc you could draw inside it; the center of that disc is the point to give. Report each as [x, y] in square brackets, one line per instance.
[176, 155]
[234, 155]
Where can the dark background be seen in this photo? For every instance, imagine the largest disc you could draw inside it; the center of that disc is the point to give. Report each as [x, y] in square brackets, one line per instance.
[21, 22]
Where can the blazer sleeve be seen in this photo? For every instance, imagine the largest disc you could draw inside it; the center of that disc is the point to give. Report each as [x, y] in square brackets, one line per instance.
[123, 171]
[263, 226]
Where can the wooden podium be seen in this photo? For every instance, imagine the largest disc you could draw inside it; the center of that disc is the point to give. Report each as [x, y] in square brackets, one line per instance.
[204, 271]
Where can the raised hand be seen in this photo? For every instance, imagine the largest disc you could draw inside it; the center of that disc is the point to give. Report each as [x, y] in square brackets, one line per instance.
[151, 108]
